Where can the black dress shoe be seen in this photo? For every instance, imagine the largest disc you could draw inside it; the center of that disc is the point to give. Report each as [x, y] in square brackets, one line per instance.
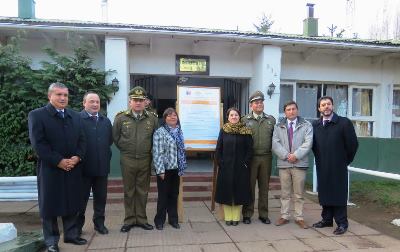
[53, 248]
[246, 220]
[145, 226]
[228, 222]
[322, 224]
[77, 241]
[126, 227]
[159, 226]
[175, 225]
[340, 230]
[235, 223]
[101, 229]
[265, 220]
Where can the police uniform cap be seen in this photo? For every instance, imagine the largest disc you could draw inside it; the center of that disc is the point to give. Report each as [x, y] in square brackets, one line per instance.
[258, 95]
[137, 93]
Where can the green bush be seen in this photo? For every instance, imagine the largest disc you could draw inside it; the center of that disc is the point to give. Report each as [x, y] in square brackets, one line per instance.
[23, 89]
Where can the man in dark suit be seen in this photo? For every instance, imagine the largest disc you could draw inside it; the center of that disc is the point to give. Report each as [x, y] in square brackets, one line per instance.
[58, 139]
[98, 131]
[334, 145]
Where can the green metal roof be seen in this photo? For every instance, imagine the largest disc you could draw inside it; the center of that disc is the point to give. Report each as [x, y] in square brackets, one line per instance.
[53, 23]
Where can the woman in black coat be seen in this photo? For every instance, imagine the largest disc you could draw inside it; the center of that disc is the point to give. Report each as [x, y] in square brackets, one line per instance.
[234, 152]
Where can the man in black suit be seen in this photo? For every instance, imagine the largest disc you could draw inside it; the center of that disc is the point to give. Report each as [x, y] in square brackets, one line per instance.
[58, 139]
[98, 131]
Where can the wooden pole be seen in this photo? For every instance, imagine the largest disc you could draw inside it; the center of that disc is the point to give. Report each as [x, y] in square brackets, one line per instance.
[181, 212]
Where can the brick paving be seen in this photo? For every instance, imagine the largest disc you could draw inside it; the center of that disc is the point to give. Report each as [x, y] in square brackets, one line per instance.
[203, 231]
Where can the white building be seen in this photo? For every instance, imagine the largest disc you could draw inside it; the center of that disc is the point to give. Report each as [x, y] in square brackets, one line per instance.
[362, 76]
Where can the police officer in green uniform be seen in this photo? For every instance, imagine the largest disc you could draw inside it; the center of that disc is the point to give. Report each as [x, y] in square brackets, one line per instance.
[262, 126]
[132, 134]
[149, 104]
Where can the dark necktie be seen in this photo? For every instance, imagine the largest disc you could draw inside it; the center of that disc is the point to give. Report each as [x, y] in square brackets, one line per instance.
[60, 114]
[290, 135]
[94, 118]
[325, 122]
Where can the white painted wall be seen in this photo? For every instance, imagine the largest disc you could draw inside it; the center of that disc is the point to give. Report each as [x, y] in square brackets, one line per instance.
[116, 58]
[266, 70]
[33, 48]
[160, 58]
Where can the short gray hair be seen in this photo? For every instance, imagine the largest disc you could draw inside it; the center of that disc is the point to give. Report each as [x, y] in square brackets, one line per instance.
[56, 85]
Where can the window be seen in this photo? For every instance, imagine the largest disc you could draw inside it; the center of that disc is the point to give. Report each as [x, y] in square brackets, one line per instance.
[354, 102]
[306, 97]
[361, 109]
[396, 112]
[340, 97]
[286, 94]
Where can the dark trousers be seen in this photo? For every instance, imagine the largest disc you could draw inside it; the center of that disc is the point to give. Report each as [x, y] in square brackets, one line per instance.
[339, 213]
[52, 234]
[168, 191]
[98, 185]
[260, 172]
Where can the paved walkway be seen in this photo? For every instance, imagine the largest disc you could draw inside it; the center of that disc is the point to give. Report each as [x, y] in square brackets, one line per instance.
[202, 231]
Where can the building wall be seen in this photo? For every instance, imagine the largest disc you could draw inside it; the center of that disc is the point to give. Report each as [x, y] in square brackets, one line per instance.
[160, 57]
[33, 48]
[356, 70]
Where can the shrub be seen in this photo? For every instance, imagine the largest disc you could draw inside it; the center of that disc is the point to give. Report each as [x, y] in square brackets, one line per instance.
[23, 89]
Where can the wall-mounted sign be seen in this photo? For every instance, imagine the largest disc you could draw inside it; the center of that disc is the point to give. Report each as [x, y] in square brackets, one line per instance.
[192, 65]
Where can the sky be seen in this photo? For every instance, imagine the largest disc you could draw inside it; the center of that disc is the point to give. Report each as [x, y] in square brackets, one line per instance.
[355, 16]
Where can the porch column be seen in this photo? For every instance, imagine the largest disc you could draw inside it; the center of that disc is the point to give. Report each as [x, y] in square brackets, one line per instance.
[267, 70]
[116, 58]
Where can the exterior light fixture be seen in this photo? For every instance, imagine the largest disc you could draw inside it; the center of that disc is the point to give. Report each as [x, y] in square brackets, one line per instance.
[271, 89]
[115, 83]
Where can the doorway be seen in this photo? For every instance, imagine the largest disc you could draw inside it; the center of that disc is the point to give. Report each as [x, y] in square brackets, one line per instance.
[163, 88]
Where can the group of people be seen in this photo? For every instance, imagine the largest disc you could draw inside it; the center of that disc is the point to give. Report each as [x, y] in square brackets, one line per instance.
[74, 153]
[244, 151]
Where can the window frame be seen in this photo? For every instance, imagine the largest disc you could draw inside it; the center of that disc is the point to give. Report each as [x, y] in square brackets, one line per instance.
[395, 119]
[373, 116]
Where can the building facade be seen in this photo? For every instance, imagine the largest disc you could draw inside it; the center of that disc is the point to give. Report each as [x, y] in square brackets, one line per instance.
[362, 76]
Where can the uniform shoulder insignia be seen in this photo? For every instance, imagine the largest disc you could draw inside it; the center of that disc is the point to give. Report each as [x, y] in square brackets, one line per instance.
[154, 114]
[120, 112]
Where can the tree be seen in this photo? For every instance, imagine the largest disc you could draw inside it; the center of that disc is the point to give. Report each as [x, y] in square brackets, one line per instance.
[23, 89]
[265, 24]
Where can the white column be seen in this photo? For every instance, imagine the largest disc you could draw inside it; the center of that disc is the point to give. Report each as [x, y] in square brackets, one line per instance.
[267, 70]
[116, 58]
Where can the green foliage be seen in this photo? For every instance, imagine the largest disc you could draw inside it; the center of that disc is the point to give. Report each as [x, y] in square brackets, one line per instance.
[265, 24]
[386, 193]
[23, 89]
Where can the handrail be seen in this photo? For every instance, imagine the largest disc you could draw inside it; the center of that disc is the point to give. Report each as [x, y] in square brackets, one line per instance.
[375, 173]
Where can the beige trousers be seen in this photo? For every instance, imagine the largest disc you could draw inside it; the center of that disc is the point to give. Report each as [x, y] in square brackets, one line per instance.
[292, 181]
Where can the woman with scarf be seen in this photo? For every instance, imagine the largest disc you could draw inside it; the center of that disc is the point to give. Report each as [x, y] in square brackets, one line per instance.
[169, 160]
[234, 152]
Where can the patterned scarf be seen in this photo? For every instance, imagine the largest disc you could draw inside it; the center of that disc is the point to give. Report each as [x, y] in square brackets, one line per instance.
[177, 135]
[236, 128]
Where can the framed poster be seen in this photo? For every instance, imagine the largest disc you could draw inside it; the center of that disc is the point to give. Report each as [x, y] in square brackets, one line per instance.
[200, 116]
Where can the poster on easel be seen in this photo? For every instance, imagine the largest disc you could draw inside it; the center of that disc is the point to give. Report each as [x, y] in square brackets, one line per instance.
[200, 116]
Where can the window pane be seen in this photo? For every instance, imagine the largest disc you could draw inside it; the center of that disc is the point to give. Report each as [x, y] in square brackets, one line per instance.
[396, 103]
[396, 129]
[362, 102]
[363, 128]
[340, 99]
[306, 98]
[285, 96]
